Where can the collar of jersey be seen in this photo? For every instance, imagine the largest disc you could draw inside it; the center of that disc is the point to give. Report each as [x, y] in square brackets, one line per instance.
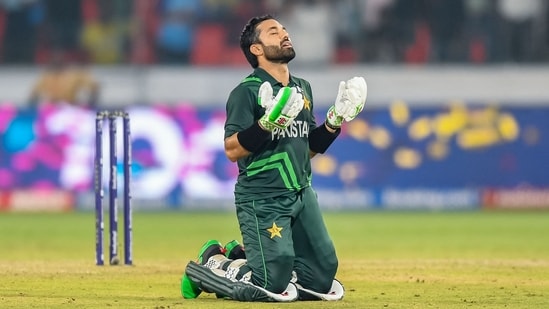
[264, 76]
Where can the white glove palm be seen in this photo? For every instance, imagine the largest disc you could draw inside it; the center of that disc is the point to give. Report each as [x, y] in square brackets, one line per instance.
[280, 111]
[349, 102]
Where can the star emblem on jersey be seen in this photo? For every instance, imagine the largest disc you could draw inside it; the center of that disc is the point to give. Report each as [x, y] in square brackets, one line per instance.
[275, 231]
[306, 103]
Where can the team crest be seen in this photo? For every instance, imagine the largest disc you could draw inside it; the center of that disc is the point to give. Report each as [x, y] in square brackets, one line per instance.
[275, 231]
[306, 102]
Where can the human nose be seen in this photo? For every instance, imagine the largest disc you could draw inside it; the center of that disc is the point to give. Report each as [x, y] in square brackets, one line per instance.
[285, 35]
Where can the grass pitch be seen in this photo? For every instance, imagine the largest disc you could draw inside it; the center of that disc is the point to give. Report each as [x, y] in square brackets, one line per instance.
[387, 260]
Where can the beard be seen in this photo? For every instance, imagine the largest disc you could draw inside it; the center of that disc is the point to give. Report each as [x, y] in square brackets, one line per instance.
[278, 54]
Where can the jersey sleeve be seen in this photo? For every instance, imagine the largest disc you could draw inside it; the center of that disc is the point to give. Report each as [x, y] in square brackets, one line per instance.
[242, 110]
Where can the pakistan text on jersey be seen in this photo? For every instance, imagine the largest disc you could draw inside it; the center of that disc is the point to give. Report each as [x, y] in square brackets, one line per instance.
[298, 128]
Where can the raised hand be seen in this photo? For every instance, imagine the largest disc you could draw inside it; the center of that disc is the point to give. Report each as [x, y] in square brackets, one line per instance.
[349, 102]
[281, 110]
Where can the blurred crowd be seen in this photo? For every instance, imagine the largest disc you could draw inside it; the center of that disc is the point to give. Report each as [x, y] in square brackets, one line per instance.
[206, 32]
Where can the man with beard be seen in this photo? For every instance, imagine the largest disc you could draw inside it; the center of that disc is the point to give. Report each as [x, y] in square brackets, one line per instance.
[288, 251]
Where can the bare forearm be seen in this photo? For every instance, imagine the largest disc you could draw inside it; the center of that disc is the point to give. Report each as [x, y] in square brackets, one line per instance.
[233, 149]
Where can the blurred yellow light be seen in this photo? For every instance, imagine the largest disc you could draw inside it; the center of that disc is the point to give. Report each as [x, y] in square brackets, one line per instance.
[483, 117]
[399, 112]
[358, 129]
[437, 150]
[420, 128]
[324, 165]
[407, 158]
[349, 171]
[508, 127]
[380, 137]
[478, 137]
[449, 124]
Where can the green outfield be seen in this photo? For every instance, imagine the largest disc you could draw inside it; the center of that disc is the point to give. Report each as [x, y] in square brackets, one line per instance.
[387, 260]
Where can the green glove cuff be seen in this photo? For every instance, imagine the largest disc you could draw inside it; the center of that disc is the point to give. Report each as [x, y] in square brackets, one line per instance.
[266, 124]
[332, 119]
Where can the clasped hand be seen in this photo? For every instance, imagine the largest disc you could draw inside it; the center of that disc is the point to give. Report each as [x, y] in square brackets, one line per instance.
[281, 110]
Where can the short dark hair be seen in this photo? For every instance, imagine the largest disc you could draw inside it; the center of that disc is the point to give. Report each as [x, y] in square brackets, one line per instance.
[250, 36]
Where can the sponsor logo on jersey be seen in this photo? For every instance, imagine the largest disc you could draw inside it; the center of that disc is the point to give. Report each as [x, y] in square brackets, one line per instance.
[298, 128]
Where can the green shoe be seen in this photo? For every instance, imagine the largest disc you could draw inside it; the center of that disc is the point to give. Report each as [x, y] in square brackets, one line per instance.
[189, 290]
[234, 250]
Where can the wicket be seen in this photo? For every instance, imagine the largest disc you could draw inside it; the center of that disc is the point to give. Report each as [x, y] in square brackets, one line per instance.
[111, 117]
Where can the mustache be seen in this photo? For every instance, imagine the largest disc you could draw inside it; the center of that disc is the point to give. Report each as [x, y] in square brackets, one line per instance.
[284, 41]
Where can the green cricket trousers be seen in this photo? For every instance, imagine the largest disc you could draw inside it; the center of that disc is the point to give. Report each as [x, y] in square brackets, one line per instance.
[285, 234]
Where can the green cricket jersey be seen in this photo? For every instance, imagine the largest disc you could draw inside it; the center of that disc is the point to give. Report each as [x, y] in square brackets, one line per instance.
[282, 165]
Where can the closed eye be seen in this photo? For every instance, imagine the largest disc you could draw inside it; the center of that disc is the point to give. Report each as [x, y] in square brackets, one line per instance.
[275, 30]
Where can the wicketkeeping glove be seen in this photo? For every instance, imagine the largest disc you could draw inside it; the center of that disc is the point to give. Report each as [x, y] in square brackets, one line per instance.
[349, 101]
[280, 111]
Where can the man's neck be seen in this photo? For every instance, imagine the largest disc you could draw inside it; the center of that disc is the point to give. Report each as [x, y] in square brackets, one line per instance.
[278, 71]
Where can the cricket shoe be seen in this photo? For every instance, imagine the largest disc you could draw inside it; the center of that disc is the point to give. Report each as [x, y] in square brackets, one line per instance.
[234, 250]
[207, 256]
